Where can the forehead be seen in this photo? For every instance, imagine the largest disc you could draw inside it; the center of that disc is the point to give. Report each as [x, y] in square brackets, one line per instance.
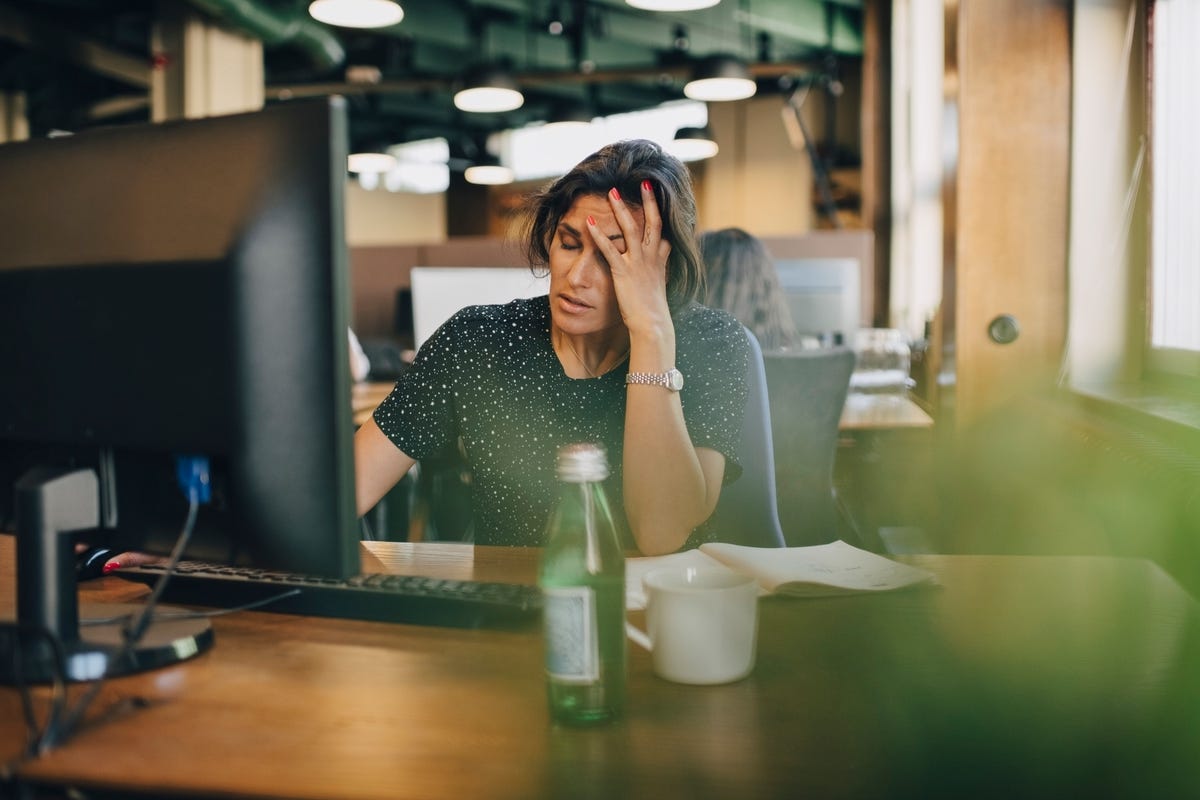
[596, 206]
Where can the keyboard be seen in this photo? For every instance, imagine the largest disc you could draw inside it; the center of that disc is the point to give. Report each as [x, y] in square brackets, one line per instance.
[409, 599]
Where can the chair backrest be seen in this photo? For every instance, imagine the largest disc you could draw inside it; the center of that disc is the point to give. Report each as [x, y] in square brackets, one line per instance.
[746, 512]
[807, 390]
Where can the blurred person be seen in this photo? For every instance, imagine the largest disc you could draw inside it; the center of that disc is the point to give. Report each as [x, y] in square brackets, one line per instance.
[742, 280]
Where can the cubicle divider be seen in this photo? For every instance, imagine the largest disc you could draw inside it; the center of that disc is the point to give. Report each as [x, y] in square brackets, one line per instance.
[379, 273]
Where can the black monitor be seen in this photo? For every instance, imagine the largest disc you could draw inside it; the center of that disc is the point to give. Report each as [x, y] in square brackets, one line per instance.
[168, 290]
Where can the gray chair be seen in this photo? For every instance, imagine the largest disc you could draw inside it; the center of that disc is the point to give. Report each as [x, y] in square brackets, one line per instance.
[747, 513]
[807, 390]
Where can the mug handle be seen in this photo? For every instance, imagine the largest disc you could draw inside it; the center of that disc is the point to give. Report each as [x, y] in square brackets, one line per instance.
[638, 636]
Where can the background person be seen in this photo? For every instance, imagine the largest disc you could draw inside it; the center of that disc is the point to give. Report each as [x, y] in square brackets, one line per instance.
[742, 280]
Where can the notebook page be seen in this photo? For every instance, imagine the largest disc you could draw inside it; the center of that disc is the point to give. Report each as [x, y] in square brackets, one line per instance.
[831, 568]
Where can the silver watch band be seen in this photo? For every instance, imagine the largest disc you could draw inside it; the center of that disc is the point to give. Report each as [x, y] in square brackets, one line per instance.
[671, 380]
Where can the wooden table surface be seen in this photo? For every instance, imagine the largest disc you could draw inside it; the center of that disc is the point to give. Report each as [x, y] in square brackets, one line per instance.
[866, 412]
[366, 396]
[862, 411]
[1016, 677]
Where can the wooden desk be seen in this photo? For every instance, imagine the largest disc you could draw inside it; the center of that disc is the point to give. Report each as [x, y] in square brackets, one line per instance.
[366, 396]
[1020, 677]
[882, 412]
[862, 412]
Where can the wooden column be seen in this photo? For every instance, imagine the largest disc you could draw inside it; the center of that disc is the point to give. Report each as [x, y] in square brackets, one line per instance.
[1010, 250]
[202, 69]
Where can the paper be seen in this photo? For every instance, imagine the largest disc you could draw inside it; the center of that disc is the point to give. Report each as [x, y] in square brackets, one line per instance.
[815, 571]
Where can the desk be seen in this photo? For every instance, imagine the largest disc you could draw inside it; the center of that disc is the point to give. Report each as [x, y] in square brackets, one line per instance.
[882, 412]
[883, 471]
[862, 412]
[1018, 677]
[366, 396]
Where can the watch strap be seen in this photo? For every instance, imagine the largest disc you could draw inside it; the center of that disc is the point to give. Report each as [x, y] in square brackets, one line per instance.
[671, 380]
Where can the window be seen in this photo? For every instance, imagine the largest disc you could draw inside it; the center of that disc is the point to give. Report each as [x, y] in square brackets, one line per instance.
[540, 152]
[1174, 121]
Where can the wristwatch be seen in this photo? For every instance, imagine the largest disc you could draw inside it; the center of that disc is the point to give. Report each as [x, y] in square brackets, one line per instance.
[672, 379]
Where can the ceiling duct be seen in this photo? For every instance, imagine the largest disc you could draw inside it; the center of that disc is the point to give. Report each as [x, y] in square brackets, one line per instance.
[278, 26]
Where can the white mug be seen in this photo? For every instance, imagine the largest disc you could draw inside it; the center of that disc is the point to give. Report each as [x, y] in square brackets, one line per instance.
[702, 624]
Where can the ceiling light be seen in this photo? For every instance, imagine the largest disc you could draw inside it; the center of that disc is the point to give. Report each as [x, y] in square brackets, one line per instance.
[693, 144]
[488, 89]
[570, 116]
[672, 5]
[488, 171]
[370, 159]
[356, 13]
[719, 78]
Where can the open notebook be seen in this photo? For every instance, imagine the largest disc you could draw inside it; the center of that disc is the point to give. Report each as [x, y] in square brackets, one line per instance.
[815, 571]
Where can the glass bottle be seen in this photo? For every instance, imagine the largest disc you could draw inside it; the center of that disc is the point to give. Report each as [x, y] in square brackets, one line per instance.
[582, 575]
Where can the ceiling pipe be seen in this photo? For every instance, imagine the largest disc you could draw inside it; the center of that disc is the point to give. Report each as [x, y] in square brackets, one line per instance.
[279, 26]
[530, 79]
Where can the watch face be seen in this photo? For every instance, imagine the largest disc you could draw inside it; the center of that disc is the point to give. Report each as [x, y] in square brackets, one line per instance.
[674, 380]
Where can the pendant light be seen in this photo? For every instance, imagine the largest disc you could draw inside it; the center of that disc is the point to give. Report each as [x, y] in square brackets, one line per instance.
[671, 5]
[693, 144]
[488, 89]
[371, 159]
[488, 171]
[719, 78]
[356, 13]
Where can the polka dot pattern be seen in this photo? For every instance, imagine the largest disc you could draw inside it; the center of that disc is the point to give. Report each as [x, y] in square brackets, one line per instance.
[490, 376]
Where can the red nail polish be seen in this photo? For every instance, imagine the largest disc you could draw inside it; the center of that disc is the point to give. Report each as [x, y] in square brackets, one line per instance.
[111, 565]
[592, 220]
[646, 186]
[615, 194]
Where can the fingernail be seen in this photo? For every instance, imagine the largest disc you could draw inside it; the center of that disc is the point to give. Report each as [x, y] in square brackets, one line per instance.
[592, 220]
[646, 186]
[615, 194]
[111, 565]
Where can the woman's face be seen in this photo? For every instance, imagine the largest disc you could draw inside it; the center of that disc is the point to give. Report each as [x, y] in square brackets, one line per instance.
[582, 298]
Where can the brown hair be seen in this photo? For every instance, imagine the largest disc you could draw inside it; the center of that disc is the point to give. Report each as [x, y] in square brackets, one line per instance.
[625, 165]
[742, 280]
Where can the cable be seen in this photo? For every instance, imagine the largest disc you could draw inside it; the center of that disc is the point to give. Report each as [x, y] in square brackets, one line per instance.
[192, 473]
[58, 691]
[219, 612]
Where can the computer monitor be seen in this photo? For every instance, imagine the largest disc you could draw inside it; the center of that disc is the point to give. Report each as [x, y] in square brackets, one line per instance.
[823, 295]
[173, 290]
[438, 292]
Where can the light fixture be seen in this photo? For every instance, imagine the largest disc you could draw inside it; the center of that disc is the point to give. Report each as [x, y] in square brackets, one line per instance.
[356, 13]
[693, 144]
[672, 5]
[488, 171]
[720, 77]
[370, 159]
[488, 89]
[570, 116]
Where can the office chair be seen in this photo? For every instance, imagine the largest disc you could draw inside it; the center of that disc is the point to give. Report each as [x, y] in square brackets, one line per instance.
[746, 513]
[807, 390]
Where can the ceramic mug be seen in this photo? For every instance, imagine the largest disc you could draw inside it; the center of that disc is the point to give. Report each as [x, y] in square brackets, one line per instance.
[702, 624]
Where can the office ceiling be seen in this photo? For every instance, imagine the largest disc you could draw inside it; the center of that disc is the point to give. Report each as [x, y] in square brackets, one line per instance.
[78, 61]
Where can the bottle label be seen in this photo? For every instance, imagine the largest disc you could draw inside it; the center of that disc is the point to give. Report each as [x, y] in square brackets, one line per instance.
[572, 652]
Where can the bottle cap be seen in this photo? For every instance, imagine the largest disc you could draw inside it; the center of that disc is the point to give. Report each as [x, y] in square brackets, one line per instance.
[582, 463]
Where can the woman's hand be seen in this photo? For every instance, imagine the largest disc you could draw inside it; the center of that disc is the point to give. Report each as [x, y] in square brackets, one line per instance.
[639, 271]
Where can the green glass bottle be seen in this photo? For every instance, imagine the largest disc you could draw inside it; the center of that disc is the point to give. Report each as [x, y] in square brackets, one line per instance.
[582, 577]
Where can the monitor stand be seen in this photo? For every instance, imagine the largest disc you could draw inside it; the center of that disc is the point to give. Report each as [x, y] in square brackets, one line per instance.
[51, 505]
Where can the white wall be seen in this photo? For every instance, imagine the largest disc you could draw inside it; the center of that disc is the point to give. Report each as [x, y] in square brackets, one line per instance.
[918, 124]
[1103, 338]
[380, 217]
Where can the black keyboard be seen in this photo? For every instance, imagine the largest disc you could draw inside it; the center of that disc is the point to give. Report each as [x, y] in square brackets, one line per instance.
[410, 599]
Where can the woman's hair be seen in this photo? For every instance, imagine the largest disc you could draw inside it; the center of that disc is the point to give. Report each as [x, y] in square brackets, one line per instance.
[625, 165]
[742, 280]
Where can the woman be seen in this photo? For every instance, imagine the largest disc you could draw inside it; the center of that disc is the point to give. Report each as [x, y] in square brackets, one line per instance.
[597, 360]
[742, 280]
